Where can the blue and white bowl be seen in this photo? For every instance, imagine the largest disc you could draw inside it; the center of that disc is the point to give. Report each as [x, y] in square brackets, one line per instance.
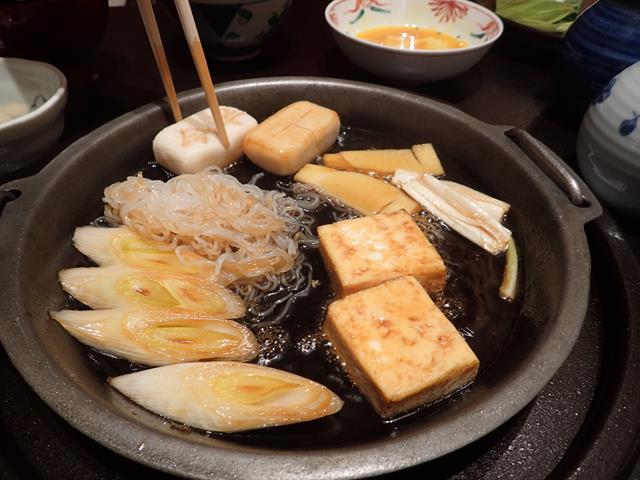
[234, 30]
[609, 143]
[601, 43]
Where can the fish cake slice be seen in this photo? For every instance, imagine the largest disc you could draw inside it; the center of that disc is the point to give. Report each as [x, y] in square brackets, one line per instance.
[292, 137]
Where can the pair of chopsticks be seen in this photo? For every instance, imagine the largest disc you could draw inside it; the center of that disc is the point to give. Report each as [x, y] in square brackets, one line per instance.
[193, 39]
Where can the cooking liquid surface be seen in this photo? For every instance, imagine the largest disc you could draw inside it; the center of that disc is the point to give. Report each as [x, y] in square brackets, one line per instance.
[295, 342]
[411, 38]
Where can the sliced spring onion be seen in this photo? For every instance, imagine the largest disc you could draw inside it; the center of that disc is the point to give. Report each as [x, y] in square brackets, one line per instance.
[509, 285]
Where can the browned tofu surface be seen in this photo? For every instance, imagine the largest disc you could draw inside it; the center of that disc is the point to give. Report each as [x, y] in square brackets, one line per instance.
[398, 347]
[364, 252]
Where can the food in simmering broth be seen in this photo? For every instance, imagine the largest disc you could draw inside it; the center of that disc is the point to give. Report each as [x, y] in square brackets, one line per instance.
[364, 252]
[123, 247]
[362, 192]
[248, 233]
[228, 396]
[459, 209]
[495, 208]
[291, 137]
[181, 247]
[110, 287]
[160, 336]
[192, 144]
[509, 285]
[398, 347]
[428, 158]
[384, 162]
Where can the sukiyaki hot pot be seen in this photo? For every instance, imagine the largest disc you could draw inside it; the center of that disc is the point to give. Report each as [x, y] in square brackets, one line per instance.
[520, 344]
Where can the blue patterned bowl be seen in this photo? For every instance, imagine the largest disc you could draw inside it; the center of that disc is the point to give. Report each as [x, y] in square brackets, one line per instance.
[602, 42]
[234, 30]
[609, 143]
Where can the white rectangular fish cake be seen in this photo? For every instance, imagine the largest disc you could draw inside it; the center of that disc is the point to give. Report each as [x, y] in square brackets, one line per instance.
[398, 347]
[364, 252]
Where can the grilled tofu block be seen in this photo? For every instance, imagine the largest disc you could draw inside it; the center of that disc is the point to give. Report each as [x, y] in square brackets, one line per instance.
[364, 252]
[398, 347]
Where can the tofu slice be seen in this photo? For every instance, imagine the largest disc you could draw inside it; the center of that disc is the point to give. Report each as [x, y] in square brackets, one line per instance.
[364, 252]
[292, 137]
[398, 347]
[192, 144]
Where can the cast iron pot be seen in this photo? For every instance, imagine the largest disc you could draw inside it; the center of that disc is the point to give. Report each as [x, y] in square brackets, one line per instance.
[550, 207]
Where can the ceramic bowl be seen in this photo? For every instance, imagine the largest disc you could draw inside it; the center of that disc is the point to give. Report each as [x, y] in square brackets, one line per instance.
[472, 23]
[609, 143]
[38, 93]
[602, 42]
[234, 30]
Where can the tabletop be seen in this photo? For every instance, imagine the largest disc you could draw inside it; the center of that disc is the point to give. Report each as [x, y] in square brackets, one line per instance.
[510, 86]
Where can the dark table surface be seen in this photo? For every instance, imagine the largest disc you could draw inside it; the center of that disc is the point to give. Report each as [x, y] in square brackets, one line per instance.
[510, 86]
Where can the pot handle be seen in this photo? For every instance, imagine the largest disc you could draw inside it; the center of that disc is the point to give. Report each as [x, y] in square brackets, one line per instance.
[551, 164]
[6, 196]
[12, 191]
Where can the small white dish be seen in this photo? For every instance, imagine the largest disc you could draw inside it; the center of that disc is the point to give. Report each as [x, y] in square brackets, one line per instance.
[472, 23]
[38, 91]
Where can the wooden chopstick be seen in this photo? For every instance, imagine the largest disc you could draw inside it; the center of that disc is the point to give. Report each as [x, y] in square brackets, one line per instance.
[151, 26]
[191, 33]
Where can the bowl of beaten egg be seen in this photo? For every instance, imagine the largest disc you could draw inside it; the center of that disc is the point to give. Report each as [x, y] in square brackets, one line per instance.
[413, 41]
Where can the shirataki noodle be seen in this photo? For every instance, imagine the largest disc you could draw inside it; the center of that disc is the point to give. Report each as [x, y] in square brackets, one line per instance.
[251, 234]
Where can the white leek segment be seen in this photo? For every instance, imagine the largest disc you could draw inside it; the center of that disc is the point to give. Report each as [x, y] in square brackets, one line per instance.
[114, 286]
[458, 210]
[121, 246]
[159, 337]
[228, 396]
[494, 207]
[509, 285]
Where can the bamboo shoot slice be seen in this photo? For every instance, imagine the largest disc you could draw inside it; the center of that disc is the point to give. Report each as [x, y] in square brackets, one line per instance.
[381, 162]
[115, 286]
[428, 159]
[366, 194]
[228, 396]
[385, 162]
[159, 337]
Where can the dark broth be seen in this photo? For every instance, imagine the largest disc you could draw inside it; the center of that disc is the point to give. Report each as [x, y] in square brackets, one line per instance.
[470, 300]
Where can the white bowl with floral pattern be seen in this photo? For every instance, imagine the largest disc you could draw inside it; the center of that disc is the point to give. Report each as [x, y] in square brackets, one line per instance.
[477, 26]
